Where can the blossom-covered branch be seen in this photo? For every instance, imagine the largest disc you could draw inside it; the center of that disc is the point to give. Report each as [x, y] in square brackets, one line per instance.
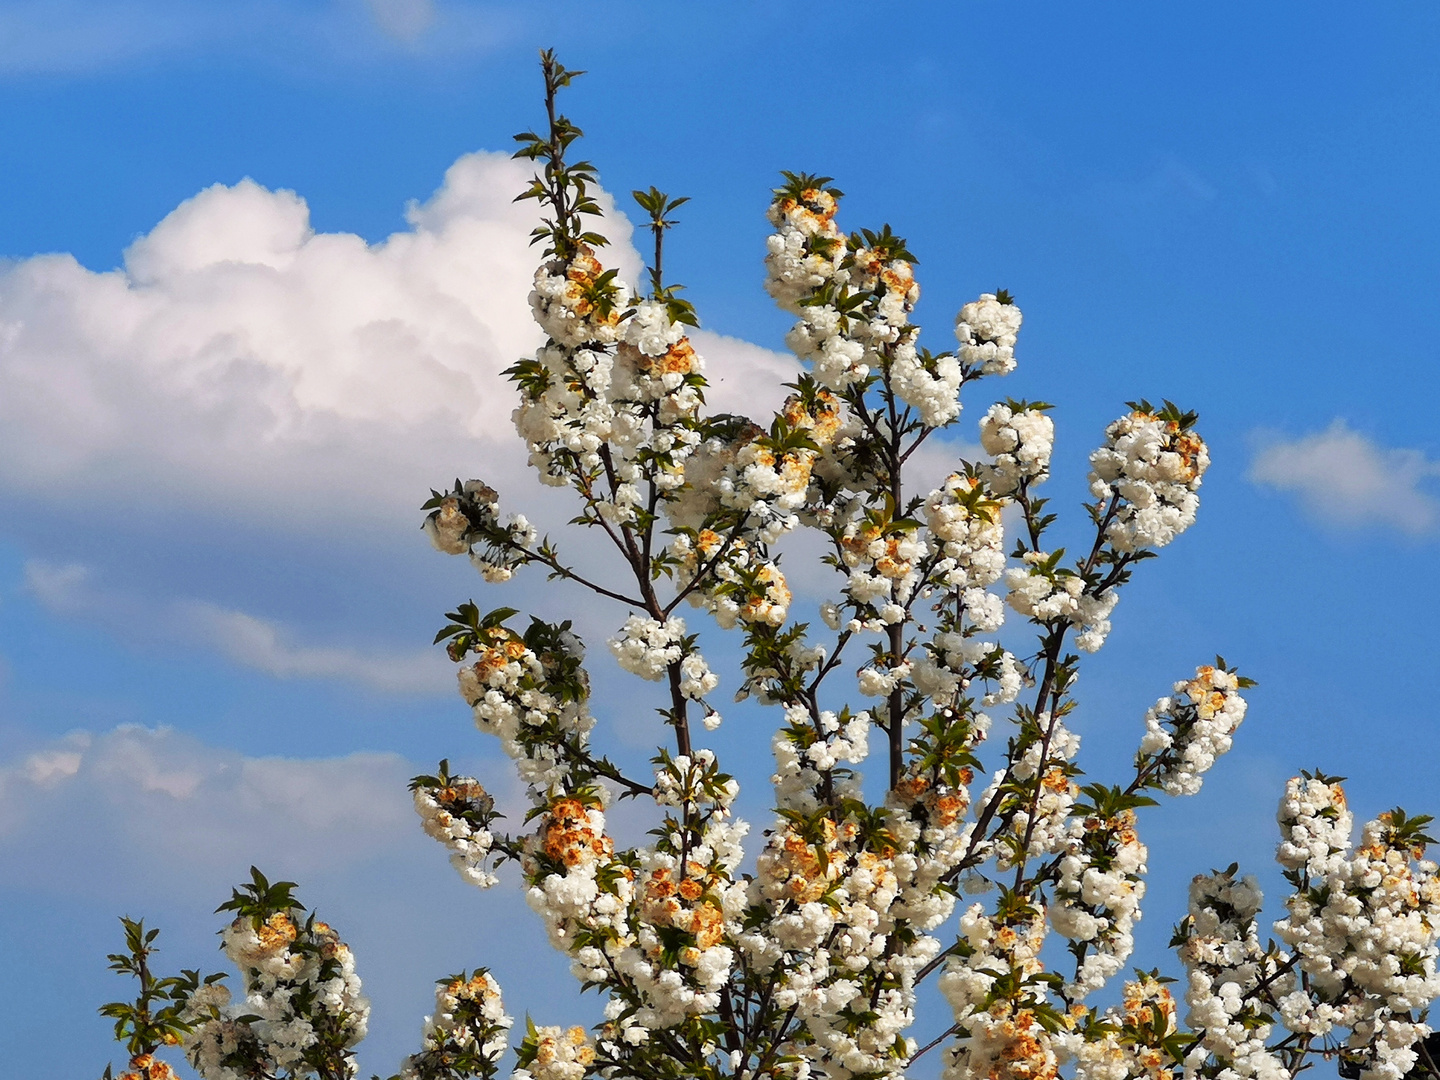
[810, 965]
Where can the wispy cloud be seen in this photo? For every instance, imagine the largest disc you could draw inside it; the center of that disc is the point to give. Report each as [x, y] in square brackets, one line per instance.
[404, 20]
[1344, 478]
[74, 36]
[80, 37]
[1168, 187]
[166, 795]
[72, 590]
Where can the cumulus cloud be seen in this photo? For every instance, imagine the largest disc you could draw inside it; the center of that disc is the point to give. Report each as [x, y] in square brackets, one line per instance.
[240, 362]
[72, 589]
[1343, 478]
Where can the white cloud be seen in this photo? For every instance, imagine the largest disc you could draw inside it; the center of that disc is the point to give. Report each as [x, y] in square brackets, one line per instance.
[937, 458]
[744, 378]
[1344, 478]
[241, 361]
[261, 644]
[71, 590]
[241, 364]
[161, 795]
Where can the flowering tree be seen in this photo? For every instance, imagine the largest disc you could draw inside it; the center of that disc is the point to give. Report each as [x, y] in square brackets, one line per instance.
[811, 964]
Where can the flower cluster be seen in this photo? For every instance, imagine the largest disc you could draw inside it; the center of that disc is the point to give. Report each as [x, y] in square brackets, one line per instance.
[1231, 977]
[805, 259]
[1037, 795]
[831, 897]
[1363, 924]
[1184, 734]
[576, 301]
[929, 384]
[1044, 591]
[952, 662]
[965, 526]
[563, 861]
[808, 751]
[147, 1067]
[469, 516]
[1129, 1043]
[732, 579]
[458, 812]
[302, 1010]
[987, 329]
[609, 404]
[1148, 472]
[554, 1053]
[1019, 436]
[995, 984]
[652, 649]
[468, 1033]
[1098, 889]
[656, 362]
[883, 559]
[648, 647]
[530, 691]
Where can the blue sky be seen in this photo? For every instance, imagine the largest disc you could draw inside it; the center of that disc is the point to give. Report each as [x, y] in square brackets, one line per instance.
[215, 607]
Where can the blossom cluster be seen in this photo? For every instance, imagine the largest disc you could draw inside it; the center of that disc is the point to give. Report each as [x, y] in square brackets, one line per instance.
[964, 522]
[986, 329]
[610, 402]
[1043, 591]
[650, 649]
[1099, 885]
[1184, 734]
[554, 1053]
[467, 1034]
[1148, 471]
[994, 983]
[302, 1009]
[806, 253]
[531, 693]
[1363, 922]
[467, 518]
[745, 587]
[147, 1067]
[1037, 795]
[1129, 1042]
[836, 902]
[457, 811]
[1230, 977]
[1019, 437]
